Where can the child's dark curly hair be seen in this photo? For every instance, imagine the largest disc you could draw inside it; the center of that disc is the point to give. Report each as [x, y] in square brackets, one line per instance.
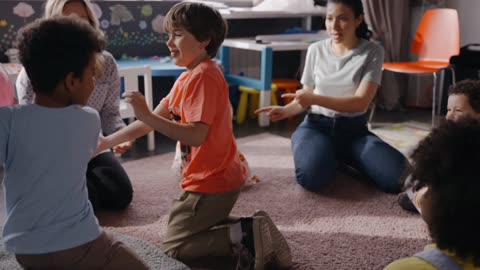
[448, 162]
[52, 48]
[469, 88]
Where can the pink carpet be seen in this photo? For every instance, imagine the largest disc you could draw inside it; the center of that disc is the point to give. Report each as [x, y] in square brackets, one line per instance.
[349, 226]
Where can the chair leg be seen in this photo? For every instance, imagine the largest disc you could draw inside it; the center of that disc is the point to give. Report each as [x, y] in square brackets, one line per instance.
[440, 92]
[273, 99]
[253, 105]
[151, 141]
[454, 76]
[434, 98]
[242, 108]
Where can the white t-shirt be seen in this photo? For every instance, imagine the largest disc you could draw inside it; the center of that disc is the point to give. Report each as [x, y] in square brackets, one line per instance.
[45, 152]
[336, 76]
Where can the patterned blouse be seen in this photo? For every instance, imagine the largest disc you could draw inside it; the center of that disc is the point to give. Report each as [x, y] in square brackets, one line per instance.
[105, 97]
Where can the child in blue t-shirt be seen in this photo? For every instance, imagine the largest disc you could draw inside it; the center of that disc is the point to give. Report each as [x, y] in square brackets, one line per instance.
[45, 148]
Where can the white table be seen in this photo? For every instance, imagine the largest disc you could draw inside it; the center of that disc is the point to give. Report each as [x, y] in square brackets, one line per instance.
[265, 81]
[249, 13]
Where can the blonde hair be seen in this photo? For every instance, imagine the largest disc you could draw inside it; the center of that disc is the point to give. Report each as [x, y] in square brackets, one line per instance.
[55, 8]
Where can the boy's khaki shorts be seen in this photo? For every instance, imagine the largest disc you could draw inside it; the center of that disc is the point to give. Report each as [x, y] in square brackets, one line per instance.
[102, 253]
[198, 225]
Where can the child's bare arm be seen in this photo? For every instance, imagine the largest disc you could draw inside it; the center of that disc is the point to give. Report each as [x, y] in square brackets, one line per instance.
[130, 132]
[192, 133]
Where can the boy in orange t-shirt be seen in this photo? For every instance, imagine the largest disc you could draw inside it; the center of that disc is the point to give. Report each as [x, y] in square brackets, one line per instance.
[199, 224]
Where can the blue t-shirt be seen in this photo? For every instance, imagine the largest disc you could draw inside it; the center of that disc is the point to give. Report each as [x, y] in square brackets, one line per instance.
[45, 152]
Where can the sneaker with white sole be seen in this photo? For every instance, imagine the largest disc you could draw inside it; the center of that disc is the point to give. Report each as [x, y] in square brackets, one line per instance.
[283, 255]
[258, 241]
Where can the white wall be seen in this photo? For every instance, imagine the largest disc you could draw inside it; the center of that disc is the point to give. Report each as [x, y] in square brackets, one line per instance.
[469, 14]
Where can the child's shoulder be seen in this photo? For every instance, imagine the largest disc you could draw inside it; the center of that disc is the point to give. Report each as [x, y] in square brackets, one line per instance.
[207, 71]
[7, 109]
[88, 112]
[6, 112]
[207, 68]
[72, 112]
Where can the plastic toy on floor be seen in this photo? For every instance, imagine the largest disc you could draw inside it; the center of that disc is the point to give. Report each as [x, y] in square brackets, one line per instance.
[251, 178]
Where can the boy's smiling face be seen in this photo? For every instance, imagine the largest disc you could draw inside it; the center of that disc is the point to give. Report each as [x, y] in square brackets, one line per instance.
[185, 49]
[459, 107]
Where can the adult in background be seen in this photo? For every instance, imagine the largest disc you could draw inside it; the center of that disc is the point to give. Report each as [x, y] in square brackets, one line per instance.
[340, 80]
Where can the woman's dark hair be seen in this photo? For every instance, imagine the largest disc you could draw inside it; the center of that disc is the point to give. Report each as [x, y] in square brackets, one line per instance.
[447, 162]
[469, 88]
[357, 8]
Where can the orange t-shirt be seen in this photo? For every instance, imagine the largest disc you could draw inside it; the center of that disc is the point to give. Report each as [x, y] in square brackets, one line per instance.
[201, 95]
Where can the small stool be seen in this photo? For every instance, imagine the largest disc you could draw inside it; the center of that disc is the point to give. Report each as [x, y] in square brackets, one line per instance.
[288, 85]
[254, 101]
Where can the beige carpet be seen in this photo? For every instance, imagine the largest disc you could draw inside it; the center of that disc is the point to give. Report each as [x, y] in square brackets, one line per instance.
[349, 226]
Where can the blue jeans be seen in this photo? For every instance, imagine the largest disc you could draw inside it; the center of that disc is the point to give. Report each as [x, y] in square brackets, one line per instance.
[320, 141]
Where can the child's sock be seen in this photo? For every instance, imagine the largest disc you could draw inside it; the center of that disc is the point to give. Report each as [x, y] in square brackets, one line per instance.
[236, 233]
[242, 233]
[246, 255]
[247, 234]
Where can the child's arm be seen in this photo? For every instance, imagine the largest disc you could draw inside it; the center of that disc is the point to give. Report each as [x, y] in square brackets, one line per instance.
[134, 130]
[193, 134]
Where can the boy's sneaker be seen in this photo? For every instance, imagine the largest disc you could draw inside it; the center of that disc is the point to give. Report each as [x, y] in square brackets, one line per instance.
[406, 203]
[283, 255]
[257, 240]
[245, 259]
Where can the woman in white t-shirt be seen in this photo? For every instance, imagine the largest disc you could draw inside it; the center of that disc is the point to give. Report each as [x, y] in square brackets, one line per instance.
[340, 80]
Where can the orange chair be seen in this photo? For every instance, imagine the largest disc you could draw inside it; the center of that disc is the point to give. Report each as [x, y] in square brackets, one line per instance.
[436, 40]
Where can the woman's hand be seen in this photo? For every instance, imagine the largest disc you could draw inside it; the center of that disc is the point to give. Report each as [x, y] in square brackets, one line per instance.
[304, 98]
[274, 113]
[139, 104]
[123, 147]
